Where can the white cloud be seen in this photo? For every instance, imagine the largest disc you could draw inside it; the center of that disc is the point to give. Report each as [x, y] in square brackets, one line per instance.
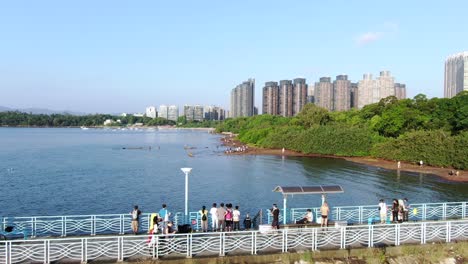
[368, 37]
[388, 28]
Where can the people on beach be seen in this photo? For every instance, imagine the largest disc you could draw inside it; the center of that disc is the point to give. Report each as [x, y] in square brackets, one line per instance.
[421, 163]
[221, 212]
[204, 219]
[307, 219]
[247, 222]
[214, 218]
[382, 211]
[236, 218]
[135, 219]
[275, 212]
[324, 210]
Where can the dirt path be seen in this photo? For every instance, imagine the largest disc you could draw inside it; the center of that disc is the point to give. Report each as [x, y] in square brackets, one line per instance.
[231, 142]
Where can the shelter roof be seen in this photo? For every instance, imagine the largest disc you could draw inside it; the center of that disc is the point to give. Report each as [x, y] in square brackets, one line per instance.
[316, 189]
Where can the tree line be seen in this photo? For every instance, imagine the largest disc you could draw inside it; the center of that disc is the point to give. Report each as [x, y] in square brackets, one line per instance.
[433, 130]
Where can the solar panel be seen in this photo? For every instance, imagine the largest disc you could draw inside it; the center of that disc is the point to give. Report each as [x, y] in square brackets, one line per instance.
[317, 189]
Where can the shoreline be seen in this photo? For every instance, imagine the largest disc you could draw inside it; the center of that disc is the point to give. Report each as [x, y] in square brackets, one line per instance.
[443, 173]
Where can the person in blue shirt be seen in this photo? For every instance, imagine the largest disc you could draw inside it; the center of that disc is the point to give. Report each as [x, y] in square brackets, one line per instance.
[164, 214]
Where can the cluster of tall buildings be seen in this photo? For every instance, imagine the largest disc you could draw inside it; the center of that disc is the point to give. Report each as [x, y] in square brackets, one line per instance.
[456, 74]
[286, 99]
[191, 112]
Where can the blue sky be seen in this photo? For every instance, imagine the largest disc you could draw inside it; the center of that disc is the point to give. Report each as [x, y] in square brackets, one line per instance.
[121, 56]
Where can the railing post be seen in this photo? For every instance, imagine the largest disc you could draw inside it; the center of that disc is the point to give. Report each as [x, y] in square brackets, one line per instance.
[314, 239]
[397, 235]
[84, 245]
[343, 237]
[157, 246]
[371, 235]
[423, 216]
[221, 244]
[448, 230]
[444, 211]
[361, 213]
[33, 227]
[120, 255]
[423, 233]
[189, 245]
[46, 251]
[463, 209]
[285, 240]
[254, 243]
[8, 252]
[63, 227]
[93, 225]
[121, 224]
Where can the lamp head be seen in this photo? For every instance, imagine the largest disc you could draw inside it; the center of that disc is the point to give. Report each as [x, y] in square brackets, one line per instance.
[186, 170]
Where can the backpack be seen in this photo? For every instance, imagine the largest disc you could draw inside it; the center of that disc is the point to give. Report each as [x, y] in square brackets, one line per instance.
[229, 215]
[204, 217]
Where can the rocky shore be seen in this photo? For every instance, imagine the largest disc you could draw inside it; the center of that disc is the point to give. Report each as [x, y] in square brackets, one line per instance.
[229, 141]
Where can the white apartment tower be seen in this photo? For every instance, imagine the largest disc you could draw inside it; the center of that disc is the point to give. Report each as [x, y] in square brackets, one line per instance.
[151, 111]
[163, 111]
[173, 113]
[456, 74]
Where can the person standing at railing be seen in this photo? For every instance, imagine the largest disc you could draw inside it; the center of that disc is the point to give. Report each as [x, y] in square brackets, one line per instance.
[228, 217]
[236, 218]
[395, 210]
[204, 219]
[165, 216]
[382, 211]
[324, 210]
[221, 212]
[247, 222]
[275, 212]
[406, 207]
[214, 218]
[135, 219]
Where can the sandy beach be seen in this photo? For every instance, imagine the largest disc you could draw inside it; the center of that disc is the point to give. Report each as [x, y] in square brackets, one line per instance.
[231, 142]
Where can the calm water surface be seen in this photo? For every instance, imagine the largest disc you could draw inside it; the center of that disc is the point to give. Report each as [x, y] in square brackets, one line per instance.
[55, 171]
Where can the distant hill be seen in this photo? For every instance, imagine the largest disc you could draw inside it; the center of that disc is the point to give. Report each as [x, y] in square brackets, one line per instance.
[40, 111]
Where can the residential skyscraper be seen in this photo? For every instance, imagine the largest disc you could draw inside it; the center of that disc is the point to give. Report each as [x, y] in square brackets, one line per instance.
[456, 74]
[242, 99]
[270, 98]
[400, 90]
[354, 95]
[285, 98]
[341, 93]
[323, 93]
[372, 91]
[173, 113]
[151, 111]
[299, 95]
[163, 111]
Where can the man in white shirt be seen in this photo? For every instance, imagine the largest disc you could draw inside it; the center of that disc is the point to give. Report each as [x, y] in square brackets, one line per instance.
[214, 218]
[236, 218]
[383, 211]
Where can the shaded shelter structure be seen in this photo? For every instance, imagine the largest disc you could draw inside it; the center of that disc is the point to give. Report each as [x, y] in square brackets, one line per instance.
[316, 189]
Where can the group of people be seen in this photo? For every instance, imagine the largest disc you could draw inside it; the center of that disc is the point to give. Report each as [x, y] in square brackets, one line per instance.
[160, 221]
[223, 218]
[399, 209]
[307, 219]
[236, 149]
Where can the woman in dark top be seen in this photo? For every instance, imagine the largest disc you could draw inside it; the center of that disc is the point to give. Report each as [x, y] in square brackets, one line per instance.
[395, 210]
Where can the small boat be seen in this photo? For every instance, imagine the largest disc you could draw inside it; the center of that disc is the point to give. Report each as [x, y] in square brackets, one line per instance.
[190, 154]
[84, 128]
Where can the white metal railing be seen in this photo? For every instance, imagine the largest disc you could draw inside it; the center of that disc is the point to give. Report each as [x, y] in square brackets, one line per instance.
[361, 214]
[63, 226]
[120, 248]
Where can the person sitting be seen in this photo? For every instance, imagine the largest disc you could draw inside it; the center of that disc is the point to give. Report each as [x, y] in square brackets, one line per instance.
[308, 218]
[169, 229]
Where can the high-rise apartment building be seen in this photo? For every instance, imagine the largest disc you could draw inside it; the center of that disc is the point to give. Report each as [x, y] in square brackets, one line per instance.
[211, 112]
[354, 95]
[341, 93]
[193, 112]
[285, 98]
[151, 112]
[371, 91]
[400, 90]
[270, 98]
[163, 111]
[299, 95]
[323, 93]
[173, 113]
[456, 74]
[242, 99]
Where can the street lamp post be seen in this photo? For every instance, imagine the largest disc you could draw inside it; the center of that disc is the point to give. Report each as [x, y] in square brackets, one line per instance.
[186, 171]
